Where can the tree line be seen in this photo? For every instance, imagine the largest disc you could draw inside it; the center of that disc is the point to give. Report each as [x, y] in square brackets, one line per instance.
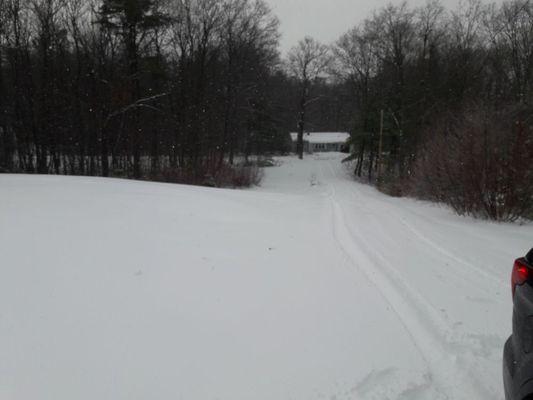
[135, 87]
[447, 95]
[437, 101]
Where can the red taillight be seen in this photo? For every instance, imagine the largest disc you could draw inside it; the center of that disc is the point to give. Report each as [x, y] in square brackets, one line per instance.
[521, 273]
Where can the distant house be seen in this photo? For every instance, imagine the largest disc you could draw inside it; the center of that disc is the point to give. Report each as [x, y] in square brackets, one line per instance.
[322, 142]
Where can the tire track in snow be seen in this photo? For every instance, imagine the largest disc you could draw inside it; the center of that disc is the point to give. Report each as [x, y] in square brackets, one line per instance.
[451, 255]
[464, 230]
[430, 334]
[421, 237]
[461, 273]
[440, 249]
[484, 271]
[425, 328]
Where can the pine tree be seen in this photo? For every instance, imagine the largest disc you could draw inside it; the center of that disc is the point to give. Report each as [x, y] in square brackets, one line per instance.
[133, 20]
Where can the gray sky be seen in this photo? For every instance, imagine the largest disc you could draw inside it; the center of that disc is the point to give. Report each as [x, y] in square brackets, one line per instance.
[326, 20]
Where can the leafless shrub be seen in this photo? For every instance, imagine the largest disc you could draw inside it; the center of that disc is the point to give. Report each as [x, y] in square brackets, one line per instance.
[213, 174]
[480, 163]
[392, 185]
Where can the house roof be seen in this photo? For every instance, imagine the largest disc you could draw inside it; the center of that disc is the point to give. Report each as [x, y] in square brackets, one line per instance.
[322, 137]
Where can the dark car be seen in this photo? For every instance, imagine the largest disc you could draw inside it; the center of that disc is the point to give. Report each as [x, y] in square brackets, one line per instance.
[518, 352]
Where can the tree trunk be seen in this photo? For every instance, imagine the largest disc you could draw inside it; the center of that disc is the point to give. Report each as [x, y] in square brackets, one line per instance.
[301, 122]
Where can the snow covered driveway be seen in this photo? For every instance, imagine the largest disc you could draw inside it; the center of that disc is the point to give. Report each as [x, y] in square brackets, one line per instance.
[311, 287]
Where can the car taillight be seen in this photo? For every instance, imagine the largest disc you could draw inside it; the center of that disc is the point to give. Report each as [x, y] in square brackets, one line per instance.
[521, 273]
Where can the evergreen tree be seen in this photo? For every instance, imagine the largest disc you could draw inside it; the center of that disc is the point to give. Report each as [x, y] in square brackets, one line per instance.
[133, 20]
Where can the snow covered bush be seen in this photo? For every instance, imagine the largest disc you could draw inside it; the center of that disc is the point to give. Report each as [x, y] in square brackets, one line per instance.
[480, 163]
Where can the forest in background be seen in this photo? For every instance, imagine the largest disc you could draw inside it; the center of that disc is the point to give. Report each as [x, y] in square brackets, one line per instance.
[447, 95]
[438, 102]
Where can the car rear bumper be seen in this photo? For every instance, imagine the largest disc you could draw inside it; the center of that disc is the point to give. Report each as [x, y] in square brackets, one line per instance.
[508, 370]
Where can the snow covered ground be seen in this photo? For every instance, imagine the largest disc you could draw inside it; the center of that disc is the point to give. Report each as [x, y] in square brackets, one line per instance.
[310, 287]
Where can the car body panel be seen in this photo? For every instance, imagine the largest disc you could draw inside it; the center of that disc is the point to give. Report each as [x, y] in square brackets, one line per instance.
[526, 390]
[518, 351]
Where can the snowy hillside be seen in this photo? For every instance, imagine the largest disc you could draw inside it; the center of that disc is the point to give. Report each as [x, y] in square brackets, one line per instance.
[310, 287]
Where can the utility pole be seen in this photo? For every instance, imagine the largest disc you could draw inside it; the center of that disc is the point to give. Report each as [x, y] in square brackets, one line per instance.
[380, 150]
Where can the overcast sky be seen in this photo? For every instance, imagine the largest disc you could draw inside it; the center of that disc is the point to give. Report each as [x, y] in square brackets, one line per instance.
[326, 20]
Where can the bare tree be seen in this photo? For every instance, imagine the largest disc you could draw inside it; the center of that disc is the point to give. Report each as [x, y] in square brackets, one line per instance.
[193, 37]
[510, 28]
[249, 37]
[393, 29]
[5, 148]
[357, 63]
[307, 62]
